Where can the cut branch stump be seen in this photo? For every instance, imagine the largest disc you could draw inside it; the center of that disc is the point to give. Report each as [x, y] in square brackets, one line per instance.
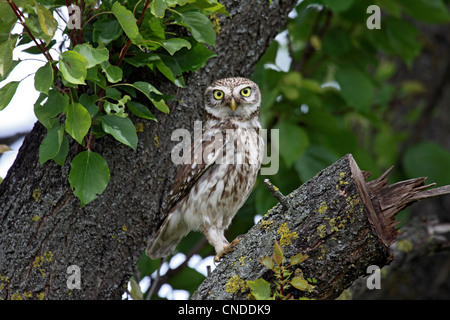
[341, 221]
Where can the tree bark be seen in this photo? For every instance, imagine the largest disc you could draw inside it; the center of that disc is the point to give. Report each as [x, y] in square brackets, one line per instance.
[341, 221]
[44, 230]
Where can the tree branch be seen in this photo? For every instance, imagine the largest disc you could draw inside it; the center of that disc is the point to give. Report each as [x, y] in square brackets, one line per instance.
[341, 221]
[43, 228]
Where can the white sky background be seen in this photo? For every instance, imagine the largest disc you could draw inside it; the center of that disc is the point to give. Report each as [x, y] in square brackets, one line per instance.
[18, 117]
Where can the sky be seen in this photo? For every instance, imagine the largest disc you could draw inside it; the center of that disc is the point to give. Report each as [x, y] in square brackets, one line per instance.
[19, 116]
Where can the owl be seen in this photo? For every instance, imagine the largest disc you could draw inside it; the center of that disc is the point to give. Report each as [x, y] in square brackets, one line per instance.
[218, 173]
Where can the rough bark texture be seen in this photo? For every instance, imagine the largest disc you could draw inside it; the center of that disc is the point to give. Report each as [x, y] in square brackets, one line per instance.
[43, 230]
[343, 223]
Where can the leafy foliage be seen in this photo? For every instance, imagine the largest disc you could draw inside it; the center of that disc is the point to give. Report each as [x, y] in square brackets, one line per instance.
[84, 93]
[284, 277]
[338, 94]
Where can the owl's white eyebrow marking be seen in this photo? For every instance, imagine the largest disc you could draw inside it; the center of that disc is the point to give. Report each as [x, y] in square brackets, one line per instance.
[226, 90]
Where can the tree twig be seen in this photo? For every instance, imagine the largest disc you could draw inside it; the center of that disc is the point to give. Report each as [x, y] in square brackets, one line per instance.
[277, 194]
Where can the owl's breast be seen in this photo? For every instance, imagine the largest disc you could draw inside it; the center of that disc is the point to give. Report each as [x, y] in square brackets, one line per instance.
[222, 190]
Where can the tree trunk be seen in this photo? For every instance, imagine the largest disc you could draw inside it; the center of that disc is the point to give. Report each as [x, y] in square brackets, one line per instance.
[343, 223]
[44, 230]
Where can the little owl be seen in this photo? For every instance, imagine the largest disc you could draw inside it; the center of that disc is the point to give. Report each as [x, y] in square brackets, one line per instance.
[218, 173]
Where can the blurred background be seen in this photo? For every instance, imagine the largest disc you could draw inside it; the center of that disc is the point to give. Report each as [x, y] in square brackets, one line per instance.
[332, 86]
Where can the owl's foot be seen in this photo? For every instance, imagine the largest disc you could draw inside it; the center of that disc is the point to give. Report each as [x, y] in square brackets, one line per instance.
[228, 249]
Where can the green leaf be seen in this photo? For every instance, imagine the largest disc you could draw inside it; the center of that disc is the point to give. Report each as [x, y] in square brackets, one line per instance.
[89, 102]
[298, 258]
[88, 176]
[7, 93]
[278, 254]
[195, 58]
[200, 27]
[73, 67]
[11, 68]
[94, 75]
[113, 93]
[175, 44]
[43, 78]
[187, 279]
[48, 24]
[432, 11]
[93, 56]
[6, 57]
[158, 8]
[290, 85]
[160, 105]
[55, 104]
[260, 289]
[300, 283]
[338, 5]
[120, 128]
[313, 160]
[336, 42]
[32, 22]
[128, 22]
[78, 121]
[51, 144]
[138, 109]
[146, 88]
[7, 19]
[266, 262]
[60, 158]
[113, 73]
[106, 31]
[118, 108]
[136, 292]
[156, 26]
[147, 266]
[36, 50]
[402, 38]
[165, 70]
[293, 142]
[428, 159]
[356, 88]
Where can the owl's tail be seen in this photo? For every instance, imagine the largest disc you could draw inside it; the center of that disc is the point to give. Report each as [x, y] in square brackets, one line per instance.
[167, 238]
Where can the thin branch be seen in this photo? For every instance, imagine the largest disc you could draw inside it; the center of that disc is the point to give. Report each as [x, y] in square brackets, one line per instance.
[124, 50]
[309, 49]
[39, 44]
[277, 194]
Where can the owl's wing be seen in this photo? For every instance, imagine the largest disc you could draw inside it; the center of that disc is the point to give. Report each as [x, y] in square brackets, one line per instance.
[172, 230]
[195, 166]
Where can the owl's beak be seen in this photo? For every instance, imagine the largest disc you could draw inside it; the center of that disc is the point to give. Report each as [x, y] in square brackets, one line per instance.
[233, 104]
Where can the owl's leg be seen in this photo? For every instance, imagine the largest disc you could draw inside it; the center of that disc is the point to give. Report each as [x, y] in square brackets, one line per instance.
[227, 249]
[217, 239]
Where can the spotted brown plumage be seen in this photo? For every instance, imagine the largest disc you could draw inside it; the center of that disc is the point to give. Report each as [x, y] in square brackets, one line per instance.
[218, 174]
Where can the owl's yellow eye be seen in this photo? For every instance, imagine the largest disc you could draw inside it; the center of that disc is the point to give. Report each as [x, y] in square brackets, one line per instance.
[246, 92]
[218, 94]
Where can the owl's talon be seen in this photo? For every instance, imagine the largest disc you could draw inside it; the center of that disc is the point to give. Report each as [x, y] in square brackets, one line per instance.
[228, 249]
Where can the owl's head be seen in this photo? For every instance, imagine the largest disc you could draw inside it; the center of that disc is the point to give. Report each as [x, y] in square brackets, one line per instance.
[237, 98]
